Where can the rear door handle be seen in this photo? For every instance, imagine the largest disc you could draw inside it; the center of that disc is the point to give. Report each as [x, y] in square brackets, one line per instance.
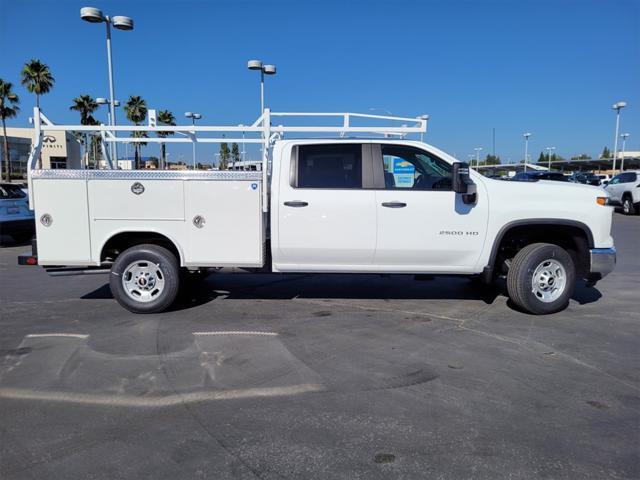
[394, 204]
[296, 203]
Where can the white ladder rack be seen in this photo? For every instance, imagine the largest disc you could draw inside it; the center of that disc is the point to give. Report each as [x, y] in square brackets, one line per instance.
[262, 127]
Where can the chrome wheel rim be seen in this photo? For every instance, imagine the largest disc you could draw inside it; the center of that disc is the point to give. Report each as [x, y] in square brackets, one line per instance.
[626, 206]
[143, 281]
[549, 281]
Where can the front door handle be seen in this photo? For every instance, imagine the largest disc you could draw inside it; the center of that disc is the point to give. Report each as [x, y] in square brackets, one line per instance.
[394, 204]
[296, 203]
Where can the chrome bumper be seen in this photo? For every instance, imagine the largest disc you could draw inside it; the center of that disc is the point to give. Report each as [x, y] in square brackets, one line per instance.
[603, 261]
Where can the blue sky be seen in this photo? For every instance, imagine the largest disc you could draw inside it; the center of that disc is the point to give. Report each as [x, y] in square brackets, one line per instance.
[552, 68]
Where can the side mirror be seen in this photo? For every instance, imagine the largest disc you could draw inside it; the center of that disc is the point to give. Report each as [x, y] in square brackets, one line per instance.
[462, 182]
[461, 177]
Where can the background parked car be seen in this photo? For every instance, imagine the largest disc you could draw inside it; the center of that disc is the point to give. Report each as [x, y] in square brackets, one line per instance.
[534, 176]
[624, 189]
[586, 178]
[15, 217]
[604, 178]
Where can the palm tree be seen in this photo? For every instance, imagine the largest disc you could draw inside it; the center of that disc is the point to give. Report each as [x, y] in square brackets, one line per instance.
[8, 109]
[167, 118]
[136, 110]
[37, 78]
[86, 105]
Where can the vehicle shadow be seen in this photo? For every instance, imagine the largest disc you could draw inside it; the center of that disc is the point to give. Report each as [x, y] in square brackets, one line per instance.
[339, 286]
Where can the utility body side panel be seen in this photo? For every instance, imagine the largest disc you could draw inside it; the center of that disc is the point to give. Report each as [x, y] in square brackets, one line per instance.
[212, 218]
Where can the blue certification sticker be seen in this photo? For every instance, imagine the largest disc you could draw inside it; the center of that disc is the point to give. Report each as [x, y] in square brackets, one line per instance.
[254, 186]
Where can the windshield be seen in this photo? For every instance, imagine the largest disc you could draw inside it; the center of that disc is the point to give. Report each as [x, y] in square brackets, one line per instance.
[11, 191]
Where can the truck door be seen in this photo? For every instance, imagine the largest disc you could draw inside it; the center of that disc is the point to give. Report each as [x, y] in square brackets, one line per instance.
[619, 184]
[422, 224]
[326, 216]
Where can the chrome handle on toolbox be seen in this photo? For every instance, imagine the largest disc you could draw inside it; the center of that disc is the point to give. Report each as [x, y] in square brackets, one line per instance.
[394, 204]
[296, 203]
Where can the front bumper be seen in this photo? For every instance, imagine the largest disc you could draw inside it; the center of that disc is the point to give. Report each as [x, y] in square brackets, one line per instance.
[603, 261]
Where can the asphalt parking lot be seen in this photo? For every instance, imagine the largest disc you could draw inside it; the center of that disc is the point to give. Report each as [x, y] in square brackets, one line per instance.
[302, 376]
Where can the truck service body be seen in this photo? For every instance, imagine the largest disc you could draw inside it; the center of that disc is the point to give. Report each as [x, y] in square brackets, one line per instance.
[352, 205]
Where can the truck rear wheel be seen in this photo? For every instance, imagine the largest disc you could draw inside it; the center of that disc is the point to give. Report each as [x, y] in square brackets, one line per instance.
[541, 278]
[145, 279]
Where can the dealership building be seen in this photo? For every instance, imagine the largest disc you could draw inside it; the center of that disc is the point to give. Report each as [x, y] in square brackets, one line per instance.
[59, 150]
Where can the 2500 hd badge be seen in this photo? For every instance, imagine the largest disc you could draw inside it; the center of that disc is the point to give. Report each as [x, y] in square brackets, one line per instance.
[458, 232]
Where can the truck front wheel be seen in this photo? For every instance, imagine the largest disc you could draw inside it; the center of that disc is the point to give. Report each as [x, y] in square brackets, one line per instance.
[541, 278]
[145, 279]
[628, 208]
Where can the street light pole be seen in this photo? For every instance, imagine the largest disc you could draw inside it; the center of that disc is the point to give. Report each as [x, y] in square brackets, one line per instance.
[241, 153]
[95, 15]
[477, 149]
[549, 150]
[617, 107]
[110, 108]
[526, 149]
[624, 137]
[264, 70]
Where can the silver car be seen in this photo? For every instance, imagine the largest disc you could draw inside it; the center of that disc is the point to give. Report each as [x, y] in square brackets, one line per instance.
[15, 217]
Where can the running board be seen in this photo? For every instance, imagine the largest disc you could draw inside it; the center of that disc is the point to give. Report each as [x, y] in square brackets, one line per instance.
[69, 271]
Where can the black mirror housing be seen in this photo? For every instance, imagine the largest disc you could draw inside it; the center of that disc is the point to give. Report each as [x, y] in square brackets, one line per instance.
[461, 177]
[462, 182]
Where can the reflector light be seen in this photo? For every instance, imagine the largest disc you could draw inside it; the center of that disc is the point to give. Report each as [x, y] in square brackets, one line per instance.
[32, 261]
[601, 200]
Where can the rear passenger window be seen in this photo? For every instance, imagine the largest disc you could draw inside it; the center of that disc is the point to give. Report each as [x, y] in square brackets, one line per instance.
[329, 166]
[627, 177]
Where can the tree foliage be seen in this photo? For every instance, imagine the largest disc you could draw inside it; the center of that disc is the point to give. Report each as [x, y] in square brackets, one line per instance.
[544, 158]
[165, 117]
[85, 105]
[606, 153]
[225, 155]
[136, 110]
[235, 152]
[491, 160]
[37, 77]
[582, 156]
[8, 109]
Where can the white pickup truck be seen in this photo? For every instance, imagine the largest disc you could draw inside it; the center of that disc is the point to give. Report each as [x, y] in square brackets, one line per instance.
[353, 205]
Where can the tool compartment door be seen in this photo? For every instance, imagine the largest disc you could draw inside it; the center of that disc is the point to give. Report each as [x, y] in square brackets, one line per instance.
[224, 223]
[62, 221]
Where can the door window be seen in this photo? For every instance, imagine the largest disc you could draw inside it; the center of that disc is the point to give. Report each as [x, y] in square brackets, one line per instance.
[409, 168]
[329, 166]
[627, 177]
[615, 180]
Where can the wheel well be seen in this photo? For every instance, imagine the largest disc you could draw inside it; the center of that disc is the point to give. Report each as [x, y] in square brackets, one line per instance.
[121, 241]
[573, 238]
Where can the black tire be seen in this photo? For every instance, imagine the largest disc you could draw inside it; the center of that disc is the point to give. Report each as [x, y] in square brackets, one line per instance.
[521, 274]
[164, 268]
[628, 208]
